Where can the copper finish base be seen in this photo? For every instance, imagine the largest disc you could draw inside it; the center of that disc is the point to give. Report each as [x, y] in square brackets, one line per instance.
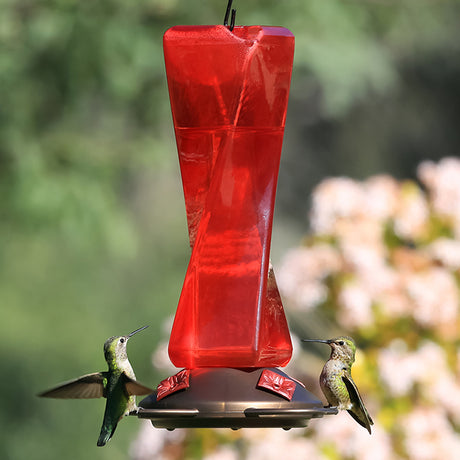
[232, 398]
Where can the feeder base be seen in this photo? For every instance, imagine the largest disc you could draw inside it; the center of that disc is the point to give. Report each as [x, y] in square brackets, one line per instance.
[234, 398]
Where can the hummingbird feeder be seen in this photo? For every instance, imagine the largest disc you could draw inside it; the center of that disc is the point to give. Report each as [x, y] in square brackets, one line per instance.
[229, 88]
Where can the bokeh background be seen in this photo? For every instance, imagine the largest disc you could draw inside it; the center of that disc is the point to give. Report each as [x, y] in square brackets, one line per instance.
[93, 236]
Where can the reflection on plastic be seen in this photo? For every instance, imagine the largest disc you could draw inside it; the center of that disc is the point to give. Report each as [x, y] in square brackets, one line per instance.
[229, 93]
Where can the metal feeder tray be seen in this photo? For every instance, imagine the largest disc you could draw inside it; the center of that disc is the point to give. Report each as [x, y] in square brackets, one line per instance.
[232, 398]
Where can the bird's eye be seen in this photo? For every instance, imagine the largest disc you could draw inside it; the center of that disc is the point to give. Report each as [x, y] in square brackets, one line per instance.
[122, 340]
[341, 342]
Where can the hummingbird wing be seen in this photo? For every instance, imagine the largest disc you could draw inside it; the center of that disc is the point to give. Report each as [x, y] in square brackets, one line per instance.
[133, 387]
[358, 410]
[84, 387]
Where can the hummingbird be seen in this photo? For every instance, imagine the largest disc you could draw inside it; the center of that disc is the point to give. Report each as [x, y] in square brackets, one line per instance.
[336, 381]
[118, 385]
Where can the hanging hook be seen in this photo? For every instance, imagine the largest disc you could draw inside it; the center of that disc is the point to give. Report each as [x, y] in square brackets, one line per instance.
[232, 21]
[227, 14]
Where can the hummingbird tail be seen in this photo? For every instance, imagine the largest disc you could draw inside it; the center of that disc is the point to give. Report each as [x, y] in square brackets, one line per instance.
[365, 422]
[105, 436]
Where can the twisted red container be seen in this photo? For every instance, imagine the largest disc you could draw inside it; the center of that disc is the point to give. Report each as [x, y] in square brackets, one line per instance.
[229, 92]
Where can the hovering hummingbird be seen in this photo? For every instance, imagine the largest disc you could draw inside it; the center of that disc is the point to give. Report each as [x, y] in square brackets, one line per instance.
[118, 385]
[336, 382]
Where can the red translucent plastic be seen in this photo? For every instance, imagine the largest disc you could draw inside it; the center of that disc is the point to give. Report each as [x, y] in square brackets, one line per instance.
[229, 92]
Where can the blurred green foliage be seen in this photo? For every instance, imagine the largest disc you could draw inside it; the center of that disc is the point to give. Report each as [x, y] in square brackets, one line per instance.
[93, 238]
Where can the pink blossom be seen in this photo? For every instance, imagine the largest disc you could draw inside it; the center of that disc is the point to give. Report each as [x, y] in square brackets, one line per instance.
[442, 180]
[435, 295]
[275, 444]
[302, 273]
[151, 442]
[351, 440]
[412, 213]
[356, 306]
[429, 435]
[335, 199]
[446, 251]
[381, 197]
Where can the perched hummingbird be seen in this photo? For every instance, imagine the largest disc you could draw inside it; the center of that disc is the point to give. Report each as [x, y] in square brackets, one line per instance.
[336, 382]
[118, 385]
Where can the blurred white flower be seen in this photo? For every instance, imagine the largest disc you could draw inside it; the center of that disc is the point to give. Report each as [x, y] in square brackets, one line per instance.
[429, 435]
[302, 272]
[432, 362]
[381, 197]
[274, 444]
[381, 279]
[355, 306]
[333, 199]
[412, 213]
[362, 229]
[435, 295]
[400, 369]
[161, 361]
[446, 251]
[442, 181]
[151, 442]
[167, 325]
[296, 347]
[394, 303]
[385, 286]
[362, 245]
[445, 390]
[341, 199]
[351, 440]
[397, 368]
[312, 262]
[307, 295]
[225, 452]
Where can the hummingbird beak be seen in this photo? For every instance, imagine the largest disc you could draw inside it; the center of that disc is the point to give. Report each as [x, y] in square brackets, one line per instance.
[137, 330]
[317, 340]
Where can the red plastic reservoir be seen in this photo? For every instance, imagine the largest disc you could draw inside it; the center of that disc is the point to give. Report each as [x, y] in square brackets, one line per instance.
[229, 93]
